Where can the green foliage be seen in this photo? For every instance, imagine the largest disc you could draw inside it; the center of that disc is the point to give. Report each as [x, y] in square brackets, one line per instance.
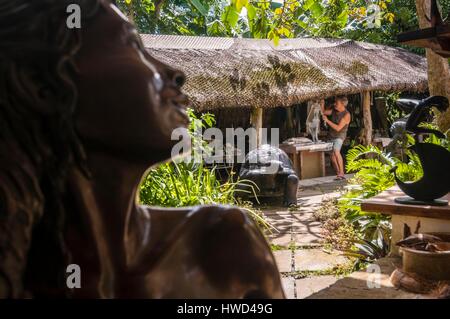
[393, 112]
[373, 175]
[366, 251]
[291, 18]
[251, 18]
[267, 19]
[327, 210]
[192, 17]
[183, 184]
[339, 233]
[433, 138]
[189, 183]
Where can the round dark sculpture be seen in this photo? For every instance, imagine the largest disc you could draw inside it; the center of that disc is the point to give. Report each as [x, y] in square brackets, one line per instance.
[271, 170]
[435, 159]
[83, 114]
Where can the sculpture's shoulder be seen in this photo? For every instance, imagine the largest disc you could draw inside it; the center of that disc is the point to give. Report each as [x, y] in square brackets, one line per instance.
[206, 214]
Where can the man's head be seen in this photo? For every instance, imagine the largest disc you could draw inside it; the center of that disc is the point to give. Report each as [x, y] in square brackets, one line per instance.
[341, 102]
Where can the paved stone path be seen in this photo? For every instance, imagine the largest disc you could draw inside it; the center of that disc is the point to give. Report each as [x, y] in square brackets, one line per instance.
[307, 268]
[364, 285]
[304, 264]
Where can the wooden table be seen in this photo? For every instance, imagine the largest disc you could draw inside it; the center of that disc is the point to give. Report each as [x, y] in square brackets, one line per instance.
[431, 218]
[308, 159]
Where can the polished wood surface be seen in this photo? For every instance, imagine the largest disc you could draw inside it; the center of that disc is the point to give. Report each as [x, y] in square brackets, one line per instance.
[384, 203]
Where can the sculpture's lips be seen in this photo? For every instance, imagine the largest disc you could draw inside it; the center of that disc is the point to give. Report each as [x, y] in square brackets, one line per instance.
[180, 110]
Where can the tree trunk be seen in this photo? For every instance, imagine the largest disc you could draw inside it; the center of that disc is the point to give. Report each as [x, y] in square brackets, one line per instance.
[438, 70]
[367, 118]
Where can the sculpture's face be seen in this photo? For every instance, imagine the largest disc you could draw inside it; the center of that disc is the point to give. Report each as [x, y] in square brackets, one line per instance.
[129, 103]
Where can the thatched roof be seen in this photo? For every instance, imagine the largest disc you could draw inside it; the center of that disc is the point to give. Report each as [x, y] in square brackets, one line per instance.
[231, 72]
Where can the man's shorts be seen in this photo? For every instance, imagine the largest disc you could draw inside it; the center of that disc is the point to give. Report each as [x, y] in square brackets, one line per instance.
[337, 143]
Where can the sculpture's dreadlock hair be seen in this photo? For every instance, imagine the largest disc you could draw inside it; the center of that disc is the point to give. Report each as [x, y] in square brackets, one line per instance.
[38, 142]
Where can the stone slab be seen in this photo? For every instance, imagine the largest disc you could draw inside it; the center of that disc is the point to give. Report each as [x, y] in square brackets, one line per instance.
[322, 181]
[284, 260]
[303, 216]
[280, 239]
[306, 229]
[305, 287]
[317, 260]
[307, 239]
[308, 192]
[368, 285]
[288, 284]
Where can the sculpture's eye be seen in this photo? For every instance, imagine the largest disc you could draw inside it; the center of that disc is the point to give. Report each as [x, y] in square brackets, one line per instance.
[135, 41]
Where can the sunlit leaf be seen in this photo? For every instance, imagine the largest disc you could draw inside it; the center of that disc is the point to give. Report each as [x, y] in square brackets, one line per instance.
[200, 7]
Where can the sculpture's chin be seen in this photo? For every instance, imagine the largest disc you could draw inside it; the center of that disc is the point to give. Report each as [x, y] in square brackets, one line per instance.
[174, 124]
[180, 111]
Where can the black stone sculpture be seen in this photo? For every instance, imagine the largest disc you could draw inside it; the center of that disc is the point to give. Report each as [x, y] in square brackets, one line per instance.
[398, 128]
[435, 159]
[271, 170]
[83, 114]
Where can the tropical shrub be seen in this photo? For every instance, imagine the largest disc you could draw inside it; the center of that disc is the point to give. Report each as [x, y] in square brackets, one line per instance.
[336, 230]
[188, 183]
[327, 210]
[373, 175]
[339, 233]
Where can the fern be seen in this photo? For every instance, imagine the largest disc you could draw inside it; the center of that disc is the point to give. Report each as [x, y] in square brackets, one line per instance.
[356, 158]
[373, 175]
[182, 184]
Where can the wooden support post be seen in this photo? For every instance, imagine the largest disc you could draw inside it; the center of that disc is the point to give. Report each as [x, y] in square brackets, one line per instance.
[256, 119]
[290, 122]
[438, 69]
[367, 118]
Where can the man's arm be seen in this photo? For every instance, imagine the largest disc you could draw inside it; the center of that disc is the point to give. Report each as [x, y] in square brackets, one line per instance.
[338, 127]
[322, 108]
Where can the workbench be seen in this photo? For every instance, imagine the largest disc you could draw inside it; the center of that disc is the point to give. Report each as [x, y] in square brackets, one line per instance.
[308, 158]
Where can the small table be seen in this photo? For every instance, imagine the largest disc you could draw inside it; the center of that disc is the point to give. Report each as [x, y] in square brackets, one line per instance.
[431, 218]
[308, 159]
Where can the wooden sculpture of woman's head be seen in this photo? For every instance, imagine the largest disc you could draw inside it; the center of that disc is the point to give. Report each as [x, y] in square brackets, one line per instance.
[83, 113]
[65, 90]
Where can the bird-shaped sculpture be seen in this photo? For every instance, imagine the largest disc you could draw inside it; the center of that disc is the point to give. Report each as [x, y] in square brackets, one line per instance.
[435, 159]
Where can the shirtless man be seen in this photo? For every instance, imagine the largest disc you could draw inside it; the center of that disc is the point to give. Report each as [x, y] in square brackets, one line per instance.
[340, 119]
